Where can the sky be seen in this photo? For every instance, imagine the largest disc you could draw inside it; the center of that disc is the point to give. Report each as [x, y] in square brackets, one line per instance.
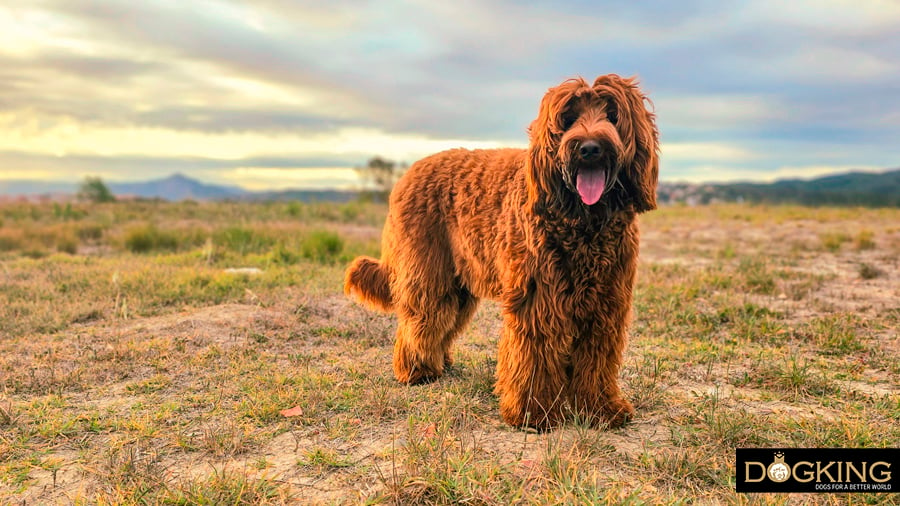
[279, 93]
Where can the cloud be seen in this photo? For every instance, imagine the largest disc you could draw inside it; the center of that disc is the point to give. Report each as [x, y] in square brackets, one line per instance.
[846, 18]
[712, 112]
[758, 87]
[834, 65]
[704, 151]
[71, 137]
[719, 174]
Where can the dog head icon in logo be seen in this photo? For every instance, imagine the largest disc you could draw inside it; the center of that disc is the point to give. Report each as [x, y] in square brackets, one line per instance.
[778, 471]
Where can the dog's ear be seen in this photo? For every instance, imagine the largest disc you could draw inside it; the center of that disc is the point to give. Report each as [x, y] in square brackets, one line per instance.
[637, 128]
[544, 134]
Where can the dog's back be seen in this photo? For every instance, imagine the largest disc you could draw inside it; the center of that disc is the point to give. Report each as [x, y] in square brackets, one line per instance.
[455, 201]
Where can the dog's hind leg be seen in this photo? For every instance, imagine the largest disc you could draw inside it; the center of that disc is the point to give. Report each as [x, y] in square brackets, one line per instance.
[427, 302]
[424, 324]
[466, 303]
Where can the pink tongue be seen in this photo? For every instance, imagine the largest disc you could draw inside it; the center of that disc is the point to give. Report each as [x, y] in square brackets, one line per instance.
[590, 184]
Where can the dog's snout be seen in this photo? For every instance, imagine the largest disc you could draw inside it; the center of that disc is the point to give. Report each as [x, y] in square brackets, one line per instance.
[588, 150]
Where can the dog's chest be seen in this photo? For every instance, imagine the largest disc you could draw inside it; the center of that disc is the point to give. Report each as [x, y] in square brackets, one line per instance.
[588, 267]
[584, 254]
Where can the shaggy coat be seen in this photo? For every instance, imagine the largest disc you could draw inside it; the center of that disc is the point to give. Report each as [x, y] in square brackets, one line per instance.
[549, 231]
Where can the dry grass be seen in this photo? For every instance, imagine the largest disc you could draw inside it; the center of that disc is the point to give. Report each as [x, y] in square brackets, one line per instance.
[136, 369]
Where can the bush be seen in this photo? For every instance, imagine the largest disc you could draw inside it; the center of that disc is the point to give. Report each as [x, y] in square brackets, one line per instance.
[93, 189]
[294, 209]
[35, 253]
[68, 212]
[243, 240]
[147, 238]
[350, 211]
[67, 243]
[11, 239]
[90, 232]
[832, 241]
[867, 271]
[281, 255]
[321, 246]
[865, 240]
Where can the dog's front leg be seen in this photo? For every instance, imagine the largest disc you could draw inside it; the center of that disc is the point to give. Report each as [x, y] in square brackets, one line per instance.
[594, 391]
[531, 371]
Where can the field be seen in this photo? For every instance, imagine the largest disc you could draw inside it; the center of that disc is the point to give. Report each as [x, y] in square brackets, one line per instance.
[138, 366]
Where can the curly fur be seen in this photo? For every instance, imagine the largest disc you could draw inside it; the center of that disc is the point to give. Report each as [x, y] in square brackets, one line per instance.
[515, 225]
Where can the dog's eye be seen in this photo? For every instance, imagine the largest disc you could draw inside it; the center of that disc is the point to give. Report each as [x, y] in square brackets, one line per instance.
[568, 119]
[613, 116]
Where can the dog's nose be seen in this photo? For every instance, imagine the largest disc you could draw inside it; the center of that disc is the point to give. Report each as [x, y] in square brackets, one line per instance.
[589, 150]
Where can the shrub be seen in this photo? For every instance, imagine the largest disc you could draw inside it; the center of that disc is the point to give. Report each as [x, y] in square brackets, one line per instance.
[865, 240]
[35, 253]
[67, 212]
[322, 246]
[294, 209]
[93, 189]
[350, 211]
[243, 240]
[833, 240]
[867, 271]
[147, 238]
[90, 232]
[67, 243]
[11, 239]
[282, 255]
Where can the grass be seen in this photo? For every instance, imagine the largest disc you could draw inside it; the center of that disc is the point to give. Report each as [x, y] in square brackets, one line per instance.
[867, 271]
[137, 369]
[832, 241]
[148, 238]
[865, 240]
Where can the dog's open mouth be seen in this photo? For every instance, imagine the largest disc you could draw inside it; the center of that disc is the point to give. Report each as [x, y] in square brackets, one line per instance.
[590, 184]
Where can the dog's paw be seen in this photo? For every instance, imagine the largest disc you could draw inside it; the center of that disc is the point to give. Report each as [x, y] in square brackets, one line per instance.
[527, 422]
[542, 421]
[448, 358]
[416, 375]
[617, 412]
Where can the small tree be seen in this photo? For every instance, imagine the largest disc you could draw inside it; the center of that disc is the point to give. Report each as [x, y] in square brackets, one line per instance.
[93, 189]
[380, 176]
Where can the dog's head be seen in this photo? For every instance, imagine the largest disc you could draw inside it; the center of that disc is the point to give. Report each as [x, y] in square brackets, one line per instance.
[592, 144]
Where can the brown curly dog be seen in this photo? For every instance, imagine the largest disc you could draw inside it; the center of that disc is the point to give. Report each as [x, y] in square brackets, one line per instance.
[550, 231]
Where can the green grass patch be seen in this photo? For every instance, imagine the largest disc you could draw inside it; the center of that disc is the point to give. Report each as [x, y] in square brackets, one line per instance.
[832, 241]
[148, 238]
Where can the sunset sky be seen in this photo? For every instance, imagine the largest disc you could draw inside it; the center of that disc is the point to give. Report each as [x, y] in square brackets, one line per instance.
[279, 93]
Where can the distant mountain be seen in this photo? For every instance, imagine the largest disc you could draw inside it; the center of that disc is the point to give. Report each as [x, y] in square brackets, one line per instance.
[177, 187]
[339, 196]
[174, 187]
[851, 189]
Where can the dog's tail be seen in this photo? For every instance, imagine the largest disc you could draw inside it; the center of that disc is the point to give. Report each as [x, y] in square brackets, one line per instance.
[368, 282]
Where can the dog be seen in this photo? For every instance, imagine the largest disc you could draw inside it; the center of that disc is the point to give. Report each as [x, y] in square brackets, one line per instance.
[549, 231]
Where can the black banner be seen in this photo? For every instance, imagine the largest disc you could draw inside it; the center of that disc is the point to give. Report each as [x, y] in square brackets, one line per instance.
[836, 470]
